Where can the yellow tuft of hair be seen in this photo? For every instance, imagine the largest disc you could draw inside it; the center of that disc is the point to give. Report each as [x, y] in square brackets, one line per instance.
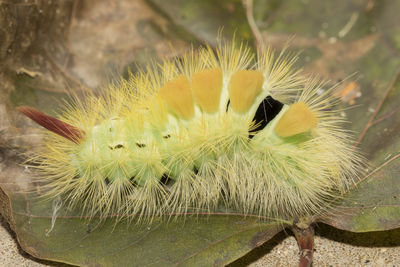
[207, 86]
[178, 96]
[244, 86]
[299, 118]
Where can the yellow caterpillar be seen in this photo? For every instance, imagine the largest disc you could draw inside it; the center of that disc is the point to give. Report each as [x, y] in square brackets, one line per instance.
[226, 127]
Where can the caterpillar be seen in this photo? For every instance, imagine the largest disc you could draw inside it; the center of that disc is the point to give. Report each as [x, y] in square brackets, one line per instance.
[216, 127]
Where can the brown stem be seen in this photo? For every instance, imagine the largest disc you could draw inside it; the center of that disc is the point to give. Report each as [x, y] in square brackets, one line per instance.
[305, 239]
[248, 6]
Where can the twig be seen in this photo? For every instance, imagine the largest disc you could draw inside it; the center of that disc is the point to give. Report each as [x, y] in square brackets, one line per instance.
[305, 239]
[387, 116]
[248, 6]
[378, 108]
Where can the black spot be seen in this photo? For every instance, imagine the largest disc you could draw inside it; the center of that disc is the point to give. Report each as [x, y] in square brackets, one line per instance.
[107, 181]
[227, 105]
[167, 136]
[165, 179]
[133, 181]
[140, 145]
[116, 147]
[266, 112]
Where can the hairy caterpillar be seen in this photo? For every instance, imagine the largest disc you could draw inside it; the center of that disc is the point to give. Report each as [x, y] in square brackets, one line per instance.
[226, 127]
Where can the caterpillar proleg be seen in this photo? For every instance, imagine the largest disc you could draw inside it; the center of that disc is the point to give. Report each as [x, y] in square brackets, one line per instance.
[225, 127]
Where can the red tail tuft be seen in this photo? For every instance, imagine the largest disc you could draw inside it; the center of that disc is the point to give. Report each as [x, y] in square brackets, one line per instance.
[61, 128]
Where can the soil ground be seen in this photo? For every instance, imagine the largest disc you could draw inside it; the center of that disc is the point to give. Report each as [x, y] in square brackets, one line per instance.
[332, 248]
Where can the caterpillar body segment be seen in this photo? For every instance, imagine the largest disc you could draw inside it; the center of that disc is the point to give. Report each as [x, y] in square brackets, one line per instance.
[185, 136]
